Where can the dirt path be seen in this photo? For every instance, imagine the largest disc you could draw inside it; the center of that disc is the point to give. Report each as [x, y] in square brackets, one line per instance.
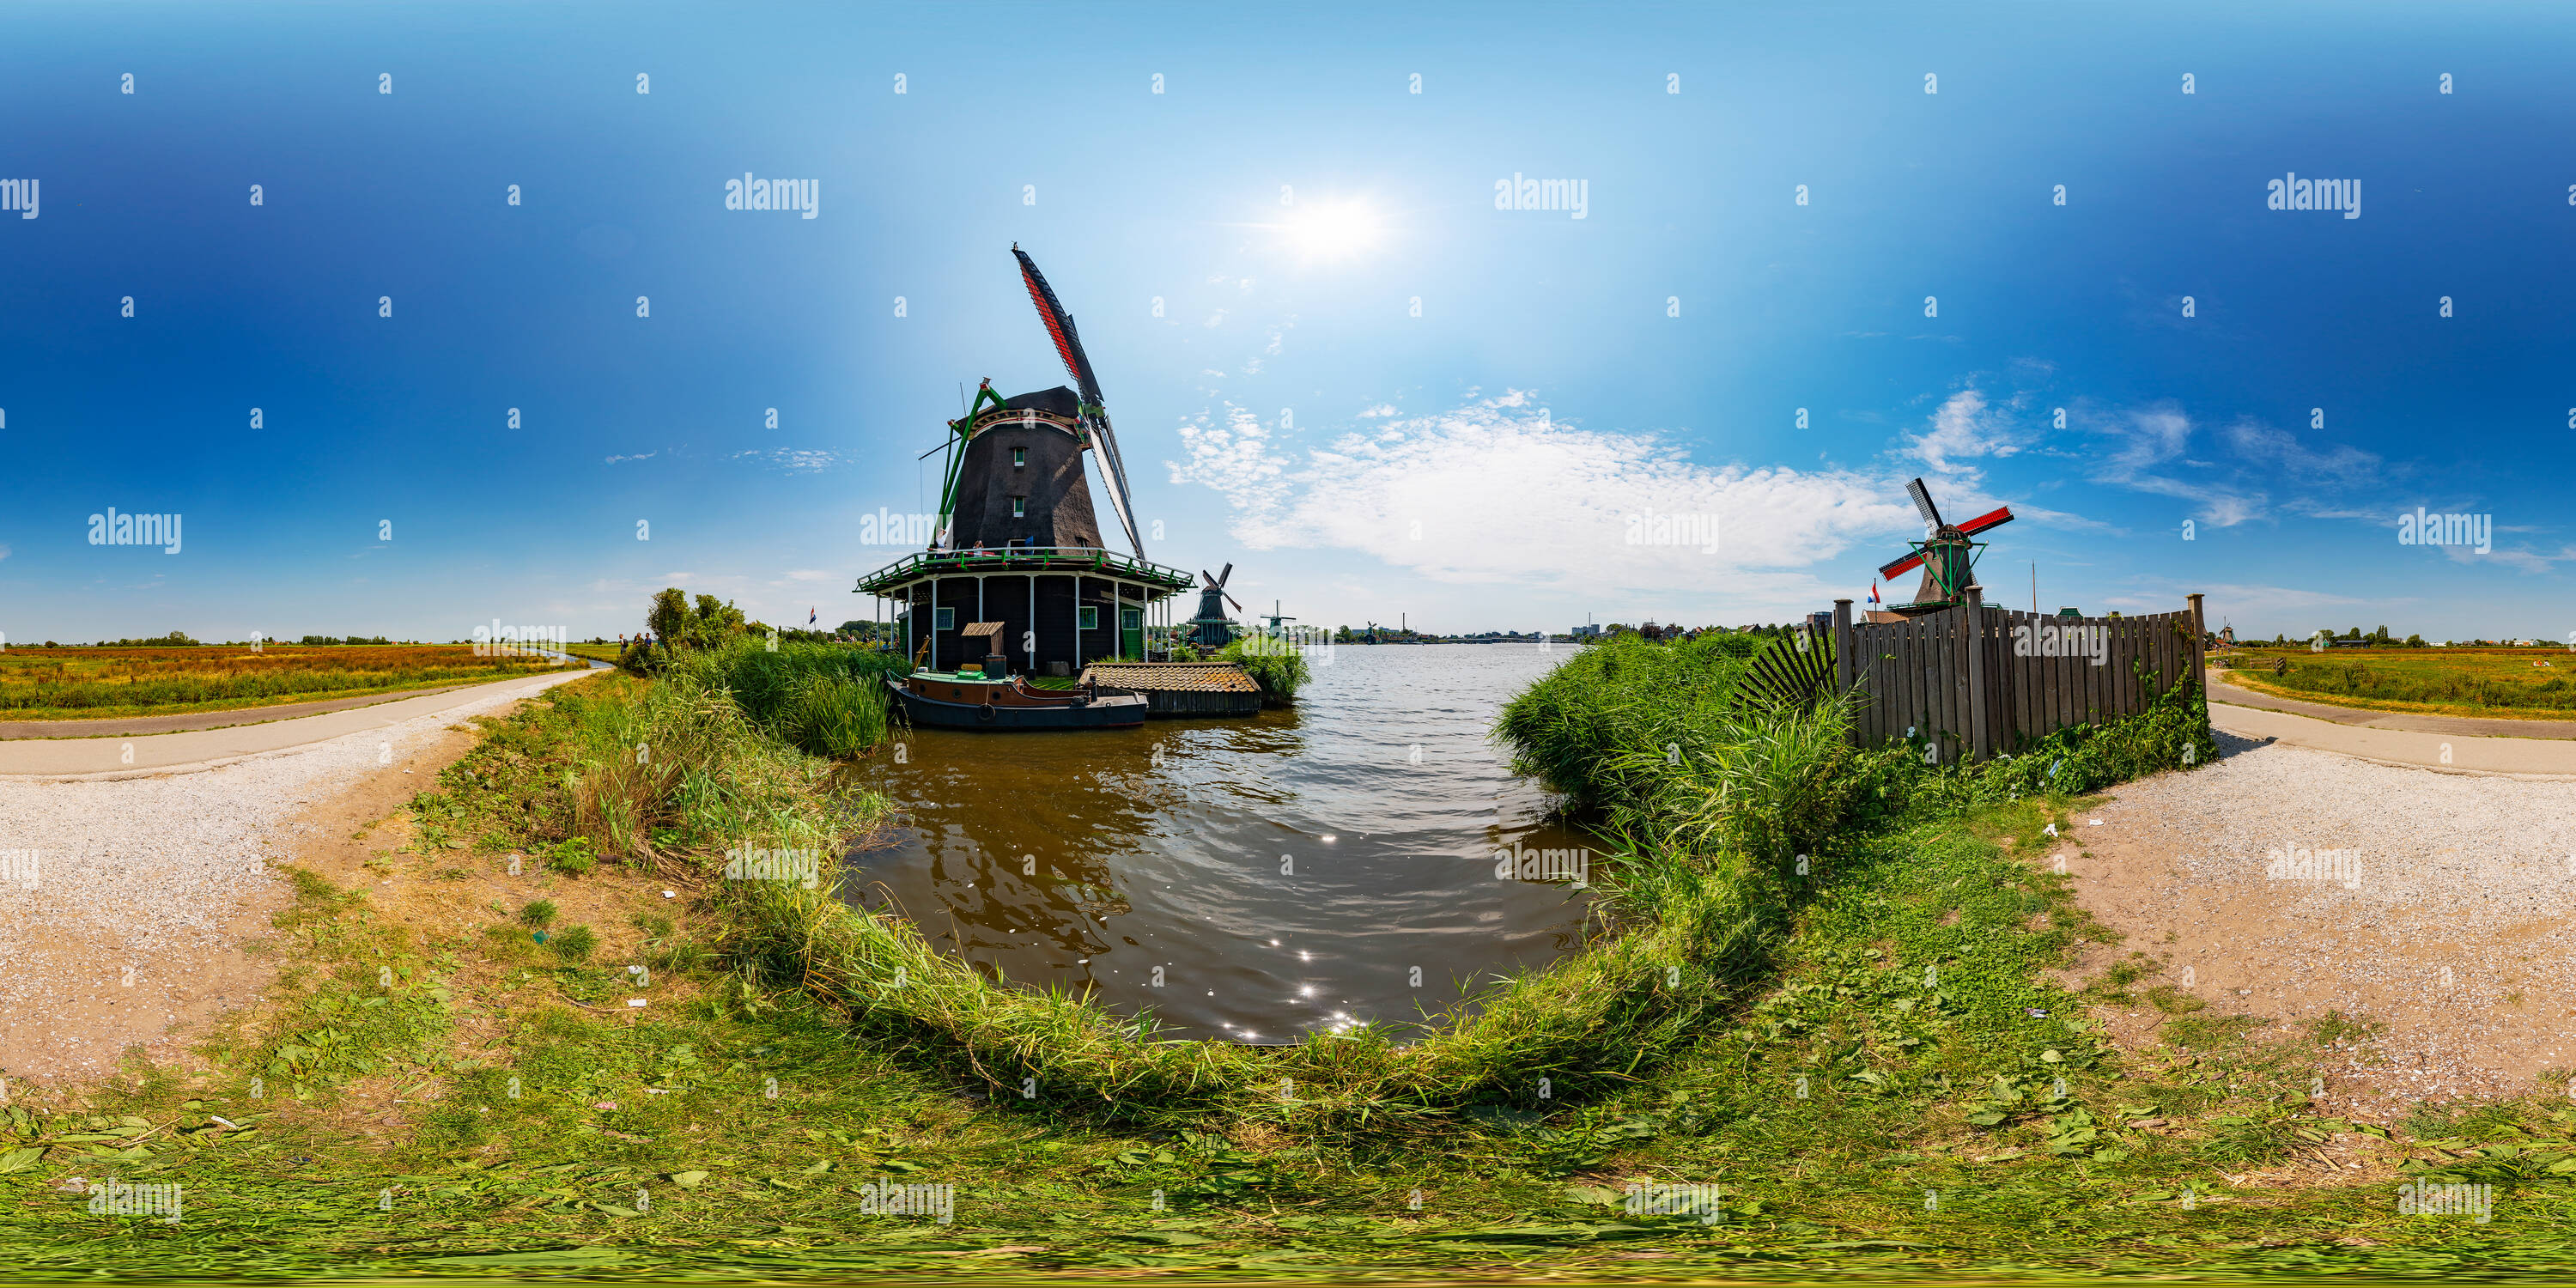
[2285, 882]
[133, 905]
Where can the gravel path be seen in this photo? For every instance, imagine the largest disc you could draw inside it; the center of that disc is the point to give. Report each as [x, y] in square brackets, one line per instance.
[123, 902]
[2285, 881]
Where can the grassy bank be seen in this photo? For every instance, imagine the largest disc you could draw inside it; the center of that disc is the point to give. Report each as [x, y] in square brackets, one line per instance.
[1868, 1057]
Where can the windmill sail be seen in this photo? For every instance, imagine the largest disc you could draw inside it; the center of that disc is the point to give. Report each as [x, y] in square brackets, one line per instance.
[1068, 346]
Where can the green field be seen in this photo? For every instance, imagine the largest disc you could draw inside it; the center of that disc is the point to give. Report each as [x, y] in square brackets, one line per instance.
[101, 683]
[1869, 1069]
[2511, 683]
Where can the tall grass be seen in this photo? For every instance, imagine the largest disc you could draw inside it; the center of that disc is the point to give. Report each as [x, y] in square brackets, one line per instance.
[667, 774]
[828, 699]
[1578, 728]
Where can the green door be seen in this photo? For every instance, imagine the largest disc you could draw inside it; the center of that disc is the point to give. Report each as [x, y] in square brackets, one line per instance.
[1131, 633]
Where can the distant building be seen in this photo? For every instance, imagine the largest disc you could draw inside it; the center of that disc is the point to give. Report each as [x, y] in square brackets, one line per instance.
[1586, 632]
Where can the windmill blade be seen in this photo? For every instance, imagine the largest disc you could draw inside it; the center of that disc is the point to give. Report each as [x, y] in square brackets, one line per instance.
[1224, 573]
[1116, 470]
[1068, 346]
[1238, 604]
[1923, 504]
[1891, 571]
[2000, 516]
[1059, 325]
[1212, 582]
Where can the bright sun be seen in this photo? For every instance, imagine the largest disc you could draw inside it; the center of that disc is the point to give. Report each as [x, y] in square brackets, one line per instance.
[1331, 230]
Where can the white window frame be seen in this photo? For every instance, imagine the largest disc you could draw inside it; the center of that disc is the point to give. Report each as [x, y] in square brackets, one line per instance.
[1089, 617]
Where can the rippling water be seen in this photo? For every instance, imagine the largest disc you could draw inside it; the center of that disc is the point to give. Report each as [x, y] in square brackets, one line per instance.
[1285, 874]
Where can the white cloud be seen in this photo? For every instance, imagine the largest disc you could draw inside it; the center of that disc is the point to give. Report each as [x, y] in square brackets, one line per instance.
[793, 460]
[1499, 492]
[1964, 428]
[2342, 464]
[1382, 409]
[644, 457]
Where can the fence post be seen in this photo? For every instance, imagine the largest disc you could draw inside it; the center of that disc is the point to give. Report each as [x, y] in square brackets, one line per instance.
[1842, 647]
[2199, 662]
[1980, 742]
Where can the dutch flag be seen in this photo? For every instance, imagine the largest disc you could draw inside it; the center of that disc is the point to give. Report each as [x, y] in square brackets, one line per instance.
[1873, 594]
[809, 614]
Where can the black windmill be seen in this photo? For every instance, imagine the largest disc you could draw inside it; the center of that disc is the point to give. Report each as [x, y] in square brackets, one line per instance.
[1946, 555]
[1211, 628]
[1016, 568]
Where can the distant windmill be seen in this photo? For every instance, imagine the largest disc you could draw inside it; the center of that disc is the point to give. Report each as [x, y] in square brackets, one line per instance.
[1274, 617]
[1212, 628]
[1948, 558]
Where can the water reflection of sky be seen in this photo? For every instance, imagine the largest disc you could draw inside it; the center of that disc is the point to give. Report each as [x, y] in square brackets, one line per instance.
[1283, 874]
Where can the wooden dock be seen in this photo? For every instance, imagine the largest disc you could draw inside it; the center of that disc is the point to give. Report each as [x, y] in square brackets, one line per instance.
[1181, 690]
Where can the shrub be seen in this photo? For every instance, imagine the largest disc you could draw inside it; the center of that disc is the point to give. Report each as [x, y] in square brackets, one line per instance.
[1280, 669]
[537, 914]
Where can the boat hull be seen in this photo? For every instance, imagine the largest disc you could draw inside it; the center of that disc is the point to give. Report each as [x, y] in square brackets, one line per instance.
[1122, 711]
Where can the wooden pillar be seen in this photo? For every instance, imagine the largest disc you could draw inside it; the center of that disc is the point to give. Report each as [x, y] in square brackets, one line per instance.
[2199, 662]
[1980, 731]
[1843, 667]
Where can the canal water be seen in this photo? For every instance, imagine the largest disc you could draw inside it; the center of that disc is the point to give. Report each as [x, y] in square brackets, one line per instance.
[1251, 879]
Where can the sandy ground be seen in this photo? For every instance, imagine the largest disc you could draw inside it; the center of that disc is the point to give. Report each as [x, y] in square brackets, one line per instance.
[128, 904]
[2285, 882]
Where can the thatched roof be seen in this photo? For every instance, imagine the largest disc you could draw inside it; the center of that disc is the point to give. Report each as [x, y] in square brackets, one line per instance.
[1193, 677]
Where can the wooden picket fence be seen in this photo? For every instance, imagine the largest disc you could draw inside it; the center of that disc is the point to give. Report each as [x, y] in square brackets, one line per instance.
[1977, 681]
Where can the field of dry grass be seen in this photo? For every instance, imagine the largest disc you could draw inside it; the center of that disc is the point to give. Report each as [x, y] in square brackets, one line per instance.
[99, 683]
[2506, 683]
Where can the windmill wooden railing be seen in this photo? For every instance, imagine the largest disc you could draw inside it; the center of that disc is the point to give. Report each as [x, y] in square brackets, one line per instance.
[1975, 682]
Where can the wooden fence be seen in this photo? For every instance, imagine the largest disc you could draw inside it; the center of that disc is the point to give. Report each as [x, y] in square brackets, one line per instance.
[1978, 681]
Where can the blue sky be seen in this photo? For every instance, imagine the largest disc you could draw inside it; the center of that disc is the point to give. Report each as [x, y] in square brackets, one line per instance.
[1287, 199]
